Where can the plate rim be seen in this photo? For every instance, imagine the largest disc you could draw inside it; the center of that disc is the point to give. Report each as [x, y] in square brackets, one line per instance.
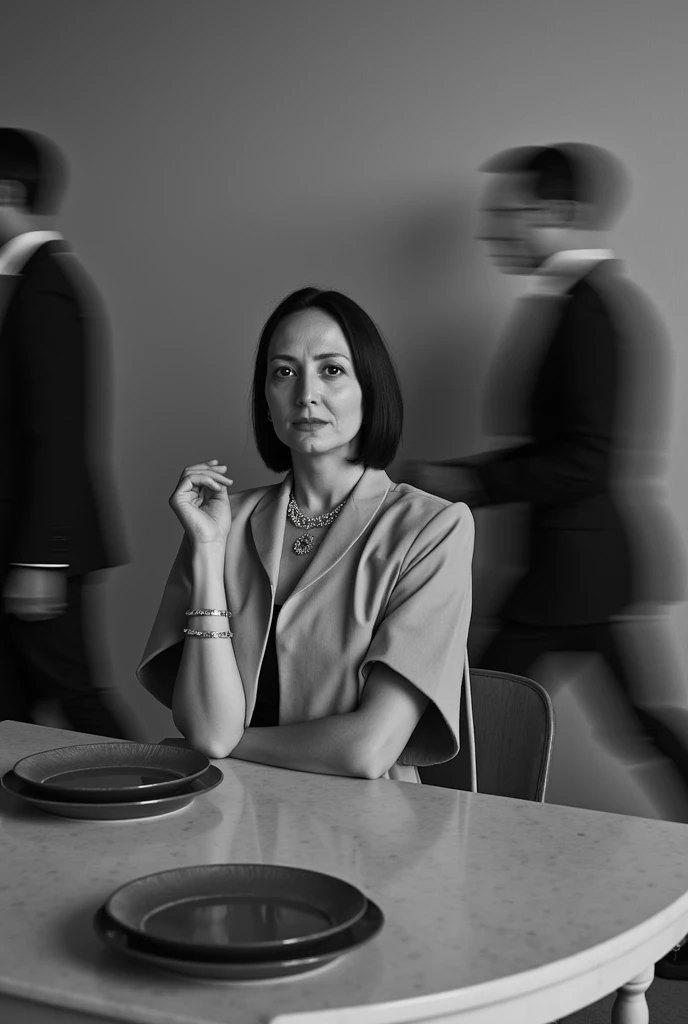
[95, 793]
[38, 799]
[242, 949]
[158, 959]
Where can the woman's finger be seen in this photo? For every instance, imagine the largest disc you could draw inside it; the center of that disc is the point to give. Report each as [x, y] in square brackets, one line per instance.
[208, 473]
[202, 466]
[212, 464]
[194, 480]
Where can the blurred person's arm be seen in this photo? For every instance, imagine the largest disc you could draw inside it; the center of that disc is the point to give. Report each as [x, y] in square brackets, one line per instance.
[51, 382]
[34, 593]
[51, 373]
[573, 464]
[453, 480]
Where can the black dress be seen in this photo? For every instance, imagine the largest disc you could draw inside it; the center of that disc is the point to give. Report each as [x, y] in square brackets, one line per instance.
[266, 711]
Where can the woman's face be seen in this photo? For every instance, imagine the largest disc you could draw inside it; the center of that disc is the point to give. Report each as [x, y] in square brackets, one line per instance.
[313, 395]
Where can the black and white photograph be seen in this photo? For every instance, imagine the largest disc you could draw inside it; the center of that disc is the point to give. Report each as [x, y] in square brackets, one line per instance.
[343, 512]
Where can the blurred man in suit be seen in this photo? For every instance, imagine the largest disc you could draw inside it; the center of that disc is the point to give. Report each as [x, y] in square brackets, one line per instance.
[56, 523]
[564, 386]
[580, 386]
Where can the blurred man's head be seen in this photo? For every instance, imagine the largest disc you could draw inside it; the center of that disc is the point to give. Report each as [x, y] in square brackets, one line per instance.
[33, 178]
[540, 200]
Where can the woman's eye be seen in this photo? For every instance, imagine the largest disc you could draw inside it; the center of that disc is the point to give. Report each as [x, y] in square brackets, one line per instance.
[333, 371]
[283, 371]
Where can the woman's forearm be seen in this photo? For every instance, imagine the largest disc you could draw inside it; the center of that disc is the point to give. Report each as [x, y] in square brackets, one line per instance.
[337, 745]
[363, 743]
[208, 702]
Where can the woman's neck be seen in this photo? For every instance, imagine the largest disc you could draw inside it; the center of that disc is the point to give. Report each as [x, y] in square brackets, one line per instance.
[320, 485]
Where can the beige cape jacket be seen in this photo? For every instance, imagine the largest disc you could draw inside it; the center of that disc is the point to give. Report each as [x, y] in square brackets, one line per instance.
[390, 582]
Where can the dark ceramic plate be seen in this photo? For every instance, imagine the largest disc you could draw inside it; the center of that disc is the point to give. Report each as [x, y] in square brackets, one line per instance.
[112, 771]
[318, 954]
[226, 911]
[108, 811]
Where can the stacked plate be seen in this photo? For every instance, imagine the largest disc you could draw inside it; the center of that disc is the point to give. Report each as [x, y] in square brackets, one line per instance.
[238, 922]
[112, 781]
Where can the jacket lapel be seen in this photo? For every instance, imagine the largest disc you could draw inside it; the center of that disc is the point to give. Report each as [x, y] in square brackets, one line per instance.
[267, 526]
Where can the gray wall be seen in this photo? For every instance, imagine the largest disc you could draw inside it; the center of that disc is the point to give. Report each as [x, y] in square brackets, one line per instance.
[224, 153]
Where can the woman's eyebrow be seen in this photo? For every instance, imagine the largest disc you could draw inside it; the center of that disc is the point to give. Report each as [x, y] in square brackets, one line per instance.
[324, 355]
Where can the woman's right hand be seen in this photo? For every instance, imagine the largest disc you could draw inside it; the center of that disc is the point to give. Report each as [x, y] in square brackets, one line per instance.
[201, 503]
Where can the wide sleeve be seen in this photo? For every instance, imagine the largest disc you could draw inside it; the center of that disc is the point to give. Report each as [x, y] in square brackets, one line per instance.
[158, 668]
[424, 630]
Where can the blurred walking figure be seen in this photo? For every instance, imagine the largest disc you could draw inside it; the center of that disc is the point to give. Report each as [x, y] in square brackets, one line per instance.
[580, 388]
[56, 517]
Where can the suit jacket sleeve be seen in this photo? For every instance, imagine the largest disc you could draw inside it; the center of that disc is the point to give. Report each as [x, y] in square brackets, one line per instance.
[579, 385]
[424, 630]
[51, 375]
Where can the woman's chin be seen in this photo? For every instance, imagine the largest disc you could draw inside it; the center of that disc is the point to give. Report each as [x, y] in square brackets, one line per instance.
[311, 446]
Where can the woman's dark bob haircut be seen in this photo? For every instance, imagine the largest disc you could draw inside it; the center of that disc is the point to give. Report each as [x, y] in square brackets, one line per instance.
[383, 410]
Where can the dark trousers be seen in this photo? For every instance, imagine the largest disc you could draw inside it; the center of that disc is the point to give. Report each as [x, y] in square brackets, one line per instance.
[50, 660]
[517, 647]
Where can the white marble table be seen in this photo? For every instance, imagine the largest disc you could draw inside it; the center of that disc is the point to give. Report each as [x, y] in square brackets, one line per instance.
[497, 910]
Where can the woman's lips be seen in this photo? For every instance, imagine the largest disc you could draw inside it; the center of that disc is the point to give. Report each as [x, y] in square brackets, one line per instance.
[309, 425]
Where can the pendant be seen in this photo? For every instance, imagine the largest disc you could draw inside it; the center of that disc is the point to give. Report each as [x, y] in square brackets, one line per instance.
[303, 544]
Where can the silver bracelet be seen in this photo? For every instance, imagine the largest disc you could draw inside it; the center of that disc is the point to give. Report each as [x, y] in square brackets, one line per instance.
[208, 611]
[213, 634]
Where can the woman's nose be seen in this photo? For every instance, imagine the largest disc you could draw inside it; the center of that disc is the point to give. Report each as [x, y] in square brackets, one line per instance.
[307, 392]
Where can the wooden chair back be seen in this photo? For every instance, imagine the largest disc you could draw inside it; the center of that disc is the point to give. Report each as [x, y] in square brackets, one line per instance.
[513, 723]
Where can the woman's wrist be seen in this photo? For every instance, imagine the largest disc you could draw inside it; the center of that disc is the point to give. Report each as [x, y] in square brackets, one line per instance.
[208, 574]
[209, 556]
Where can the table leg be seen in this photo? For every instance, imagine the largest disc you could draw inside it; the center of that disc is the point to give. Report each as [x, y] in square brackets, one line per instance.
[630, 1005]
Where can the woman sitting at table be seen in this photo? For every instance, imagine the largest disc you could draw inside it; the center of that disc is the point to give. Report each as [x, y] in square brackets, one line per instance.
[320, 623]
